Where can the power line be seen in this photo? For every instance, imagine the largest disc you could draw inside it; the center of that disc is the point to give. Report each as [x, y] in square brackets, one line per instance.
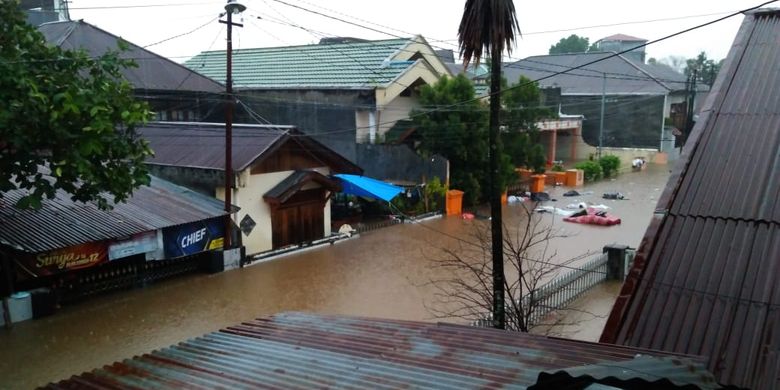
[182, 34]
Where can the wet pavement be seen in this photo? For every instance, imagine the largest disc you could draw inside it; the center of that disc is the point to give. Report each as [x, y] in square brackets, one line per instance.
[383, 273]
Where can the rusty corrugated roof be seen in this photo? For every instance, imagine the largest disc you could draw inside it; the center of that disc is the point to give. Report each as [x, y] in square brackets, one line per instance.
[297, 350]
[706, 279]
[62, 222]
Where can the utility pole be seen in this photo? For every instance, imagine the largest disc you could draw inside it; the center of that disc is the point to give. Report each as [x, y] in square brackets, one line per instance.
[232, 7]
[603, 103]
[496, 222]
[689, 107]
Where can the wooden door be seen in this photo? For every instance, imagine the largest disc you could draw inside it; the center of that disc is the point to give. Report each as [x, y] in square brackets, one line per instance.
[301, 219]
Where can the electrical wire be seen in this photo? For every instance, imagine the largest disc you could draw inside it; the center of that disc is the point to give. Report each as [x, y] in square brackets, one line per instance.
[182, 34]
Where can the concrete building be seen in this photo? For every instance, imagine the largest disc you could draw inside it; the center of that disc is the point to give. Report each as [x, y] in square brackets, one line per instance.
[346, 92]
[621, 42]
[638, 97]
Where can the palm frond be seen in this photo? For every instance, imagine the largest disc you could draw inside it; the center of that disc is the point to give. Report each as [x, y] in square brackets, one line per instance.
[487, 26]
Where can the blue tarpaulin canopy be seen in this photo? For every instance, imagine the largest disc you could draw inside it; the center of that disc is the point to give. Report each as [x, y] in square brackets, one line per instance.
[367, 187]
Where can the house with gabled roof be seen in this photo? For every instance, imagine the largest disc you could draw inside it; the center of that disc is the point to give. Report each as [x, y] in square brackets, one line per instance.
[706, 277]
[638, 96]
[343, 91]
[174, 92]
[282, 178]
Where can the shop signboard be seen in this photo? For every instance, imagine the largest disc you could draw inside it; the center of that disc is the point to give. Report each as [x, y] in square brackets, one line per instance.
[66, 259]
[137, 244]
[192, 238]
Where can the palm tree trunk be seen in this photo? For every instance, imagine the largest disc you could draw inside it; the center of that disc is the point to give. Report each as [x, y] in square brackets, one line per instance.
[496, 225]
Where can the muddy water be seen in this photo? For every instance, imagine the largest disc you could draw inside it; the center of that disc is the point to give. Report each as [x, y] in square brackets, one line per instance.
[380, 274]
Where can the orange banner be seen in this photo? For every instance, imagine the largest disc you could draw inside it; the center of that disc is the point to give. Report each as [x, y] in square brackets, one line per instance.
[66, 259]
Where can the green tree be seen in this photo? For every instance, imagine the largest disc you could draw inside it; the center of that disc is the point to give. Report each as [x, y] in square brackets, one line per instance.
[66, 113]
[459, 133]
[491, 26]
[705, 68]
[571, 44]
[523, 109]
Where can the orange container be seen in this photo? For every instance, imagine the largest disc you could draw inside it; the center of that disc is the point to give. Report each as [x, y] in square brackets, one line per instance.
[574, 177]
[454, 202]
[537, 183]
[559, 178]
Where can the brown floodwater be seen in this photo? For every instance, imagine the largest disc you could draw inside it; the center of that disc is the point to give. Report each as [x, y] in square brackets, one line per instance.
[380, 274]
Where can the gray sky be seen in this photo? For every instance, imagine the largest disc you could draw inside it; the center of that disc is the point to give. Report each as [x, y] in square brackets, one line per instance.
[436, 20]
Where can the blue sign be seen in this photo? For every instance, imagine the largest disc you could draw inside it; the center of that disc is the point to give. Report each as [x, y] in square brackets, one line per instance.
[192, 238]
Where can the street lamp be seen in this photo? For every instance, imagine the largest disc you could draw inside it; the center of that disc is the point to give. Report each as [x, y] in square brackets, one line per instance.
[233, 7]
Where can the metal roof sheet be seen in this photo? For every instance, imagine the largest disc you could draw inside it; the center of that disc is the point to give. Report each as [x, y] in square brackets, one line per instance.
[297, 350]
[337, 65]
[624, 75]
[62, 222]
[642, 372]
[706, 279]
[202, 145]
[154, 72]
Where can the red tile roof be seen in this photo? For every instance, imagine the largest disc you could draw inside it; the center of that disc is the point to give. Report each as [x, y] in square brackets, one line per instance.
[706, 279]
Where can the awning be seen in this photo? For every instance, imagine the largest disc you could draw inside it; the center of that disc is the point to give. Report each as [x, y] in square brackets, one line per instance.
[367, 187]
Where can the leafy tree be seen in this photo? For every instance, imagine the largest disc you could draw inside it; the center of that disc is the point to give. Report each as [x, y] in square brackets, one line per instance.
[571, 44]
[522, 111]
[66, 120]
[675, 62]
[458, 133]
[706, 69]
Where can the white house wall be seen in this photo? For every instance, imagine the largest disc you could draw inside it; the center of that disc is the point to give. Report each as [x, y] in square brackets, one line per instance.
[398, 108]
[249, 197]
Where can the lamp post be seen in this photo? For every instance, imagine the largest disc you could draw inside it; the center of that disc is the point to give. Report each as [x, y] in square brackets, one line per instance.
[233, 7]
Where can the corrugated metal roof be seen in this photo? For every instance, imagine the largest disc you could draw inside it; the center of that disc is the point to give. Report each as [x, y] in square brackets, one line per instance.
[202, 145]
[296, 350]
[706, 279]
[154, 72]
[624, 75]
[338, 65]
[62, 222]
[642, 372]
[291, 184]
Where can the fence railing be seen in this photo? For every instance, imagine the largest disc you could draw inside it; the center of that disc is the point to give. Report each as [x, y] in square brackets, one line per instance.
[555, 295]
[363, 227]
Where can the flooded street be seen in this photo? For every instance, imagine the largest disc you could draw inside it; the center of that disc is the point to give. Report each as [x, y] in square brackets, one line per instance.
[380, 274]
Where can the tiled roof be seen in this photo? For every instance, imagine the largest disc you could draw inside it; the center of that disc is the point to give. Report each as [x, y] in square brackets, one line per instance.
[706, 279]
[62, 222]
[624, 75]
[202, 145]
[352, 65]
[297, 350]
[154, 72]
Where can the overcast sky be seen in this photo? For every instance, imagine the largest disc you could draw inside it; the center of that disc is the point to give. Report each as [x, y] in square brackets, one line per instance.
[542, 22]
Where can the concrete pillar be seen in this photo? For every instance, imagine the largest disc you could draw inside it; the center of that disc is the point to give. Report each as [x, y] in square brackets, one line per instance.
[575, 138]
[551, 149]
[616, 261]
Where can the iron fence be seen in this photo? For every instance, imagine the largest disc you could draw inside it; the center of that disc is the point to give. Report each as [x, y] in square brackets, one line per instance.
[555, 295]
[364, 227]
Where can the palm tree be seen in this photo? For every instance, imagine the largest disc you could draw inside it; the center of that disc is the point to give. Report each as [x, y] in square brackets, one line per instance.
[491, 25]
